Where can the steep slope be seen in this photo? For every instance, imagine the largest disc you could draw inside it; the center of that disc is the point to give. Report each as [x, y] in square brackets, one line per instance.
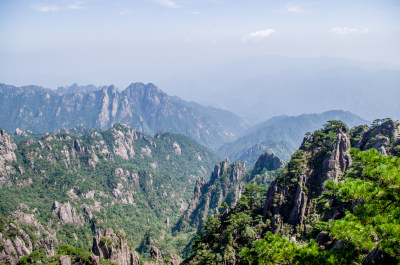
[341, 205]
[281, 135]
[225, 187]
[143, 107]
[323, 156]
[74, 186]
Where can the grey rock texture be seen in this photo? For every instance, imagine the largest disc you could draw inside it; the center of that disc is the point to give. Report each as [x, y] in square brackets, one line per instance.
[269, 162]
[384, 137]
[290, 196]
[7, 155]
[114, 247]
[339, 160]
[67, 214]
[17, 242]
[225, 185]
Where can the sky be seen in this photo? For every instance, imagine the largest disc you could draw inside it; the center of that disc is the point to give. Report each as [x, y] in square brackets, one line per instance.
[58, 42]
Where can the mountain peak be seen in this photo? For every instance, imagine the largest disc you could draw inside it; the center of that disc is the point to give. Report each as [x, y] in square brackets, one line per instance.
[150, 87]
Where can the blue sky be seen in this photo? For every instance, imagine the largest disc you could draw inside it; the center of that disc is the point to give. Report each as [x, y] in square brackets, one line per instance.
[59, 42]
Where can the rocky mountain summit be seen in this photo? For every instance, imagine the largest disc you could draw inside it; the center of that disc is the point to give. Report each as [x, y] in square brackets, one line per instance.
[290, 196]
[144, 107]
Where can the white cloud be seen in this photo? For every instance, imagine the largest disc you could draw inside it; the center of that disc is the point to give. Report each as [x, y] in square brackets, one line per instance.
[167, 3]
[195, 13]
[53, 8]
[77, 6]
[294, 8]
[50, 8]
[126, 12]
[346, 30]
[258, 35]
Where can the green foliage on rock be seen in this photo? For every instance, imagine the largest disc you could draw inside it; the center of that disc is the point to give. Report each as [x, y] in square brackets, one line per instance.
[275, 249]
[355, 217]
[137, 193]
[374, 185]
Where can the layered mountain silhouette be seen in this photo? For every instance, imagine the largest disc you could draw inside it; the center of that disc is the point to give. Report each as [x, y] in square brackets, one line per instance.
[144, 107]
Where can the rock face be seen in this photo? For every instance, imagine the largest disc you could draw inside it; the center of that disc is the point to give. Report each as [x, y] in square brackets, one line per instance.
[289, 197]
[384, 137]
[225, 185]
[143, 107]
[340, 159]
[124, 141]
[67, 214]
[114, 247]
[7, 155]
[198, 192]
[22, 235]
[269, 162]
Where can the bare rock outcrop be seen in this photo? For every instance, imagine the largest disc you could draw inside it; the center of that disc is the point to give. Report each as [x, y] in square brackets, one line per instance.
[290, 196]
[114, 247]
[7, 155]
[124, 138]
[224, 186]
[268, 162]
[383, 136]
[22, 235]
[67, 214]
[340, 159]
[200, 182]
[177, 148]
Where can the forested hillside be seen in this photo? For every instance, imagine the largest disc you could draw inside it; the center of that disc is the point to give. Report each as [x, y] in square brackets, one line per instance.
[121, 196]
[68, 189]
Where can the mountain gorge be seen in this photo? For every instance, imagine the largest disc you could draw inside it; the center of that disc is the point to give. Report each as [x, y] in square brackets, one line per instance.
[145, 108]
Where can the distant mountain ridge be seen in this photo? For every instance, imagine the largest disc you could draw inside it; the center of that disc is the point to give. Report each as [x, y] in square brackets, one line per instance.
[144, 107]
[74, 88]
[281, 135]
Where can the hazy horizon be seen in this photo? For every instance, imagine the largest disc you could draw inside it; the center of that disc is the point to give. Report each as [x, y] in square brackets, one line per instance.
[60, 42]
[244, 56]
